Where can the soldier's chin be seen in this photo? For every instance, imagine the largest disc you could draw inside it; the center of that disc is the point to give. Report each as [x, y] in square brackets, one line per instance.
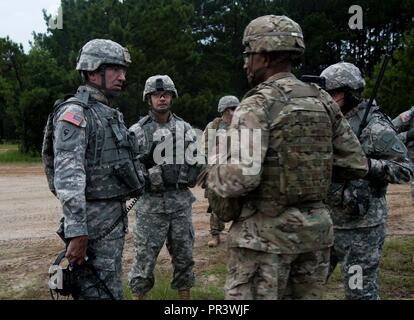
[163, 110]
[113, 93]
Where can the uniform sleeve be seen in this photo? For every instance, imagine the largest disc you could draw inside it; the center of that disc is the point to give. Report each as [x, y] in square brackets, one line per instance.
[70, 178]
[349, 161]
[250, 123]
[388, 155]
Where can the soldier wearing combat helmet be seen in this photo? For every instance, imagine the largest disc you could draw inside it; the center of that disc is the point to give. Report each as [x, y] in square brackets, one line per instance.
[90, 162]
[164, 211]
[281, 225]
[359, 207]
[212, 133]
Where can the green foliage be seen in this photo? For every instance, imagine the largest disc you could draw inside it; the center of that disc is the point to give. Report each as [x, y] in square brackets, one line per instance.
[162, 289]
[197, 43]
[397, 87]
[9, 153]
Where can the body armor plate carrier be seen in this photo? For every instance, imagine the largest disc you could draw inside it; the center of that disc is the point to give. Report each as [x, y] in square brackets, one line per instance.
[112, 168]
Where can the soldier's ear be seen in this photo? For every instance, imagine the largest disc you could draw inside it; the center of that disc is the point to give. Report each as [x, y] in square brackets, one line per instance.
[93, 76]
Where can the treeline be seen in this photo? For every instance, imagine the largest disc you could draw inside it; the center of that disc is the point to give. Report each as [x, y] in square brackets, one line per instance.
[198, 43]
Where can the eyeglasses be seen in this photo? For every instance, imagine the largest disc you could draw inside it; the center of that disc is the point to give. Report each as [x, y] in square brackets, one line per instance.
[247, 54]
[159, 94]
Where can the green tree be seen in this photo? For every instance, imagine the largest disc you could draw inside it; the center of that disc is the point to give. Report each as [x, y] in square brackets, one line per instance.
[396, 91]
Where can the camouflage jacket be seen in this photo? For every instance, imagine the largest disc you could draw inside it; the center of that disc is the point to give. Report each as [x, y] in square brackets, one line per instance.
[168, 201]
[81, 217]
[362, 203]
[295, 230]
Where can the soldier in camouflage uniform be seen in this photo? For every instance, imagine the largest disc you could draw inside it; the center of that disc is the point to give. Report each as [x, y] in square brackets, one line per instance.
[163, 213]
[279, 246]
[226, 107]
[93, 170]
[404, 124]
[359, 207]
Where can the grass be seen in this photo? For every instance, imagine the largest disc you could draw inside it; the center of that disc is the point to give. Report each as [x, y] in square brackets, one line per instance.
[206, 287]
[9, 153]
[396, 276]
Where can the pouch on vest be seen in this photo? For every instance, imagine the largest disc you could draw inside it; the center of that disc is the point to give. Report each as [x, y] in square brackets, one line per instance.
[227, 209]
[131, 177]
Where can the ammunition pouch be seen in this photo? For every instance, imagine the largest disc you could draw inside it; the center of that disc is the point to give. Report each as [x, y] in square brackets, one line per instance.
[155, 177]
[130, 176]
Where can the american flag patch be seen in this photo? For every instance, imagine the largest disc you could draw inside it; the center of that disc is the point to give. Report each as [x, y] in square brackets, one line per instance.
[72, 118]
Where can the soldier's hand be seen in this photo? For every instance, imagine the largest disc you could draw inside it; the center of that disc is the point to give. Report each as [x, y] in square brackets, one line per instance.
[76, 251]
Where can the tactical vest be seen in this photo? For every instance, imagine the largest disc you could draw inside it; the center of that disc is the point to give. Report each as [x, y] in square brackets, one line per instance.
[297, 167]
[174, 176]
[112, 170]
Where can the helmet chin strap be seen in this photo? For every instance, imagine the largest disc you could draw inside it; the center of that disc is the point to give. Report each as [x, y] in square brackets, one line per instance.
[110, 94]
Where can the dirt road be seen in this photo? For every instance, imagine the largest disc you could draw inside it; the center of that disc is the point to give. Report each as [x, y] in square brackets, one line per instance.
[29, 214]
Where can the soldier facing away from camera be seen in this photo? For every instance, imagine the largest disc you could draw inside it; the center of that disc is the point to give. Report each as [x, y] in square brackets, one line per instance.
[280, 240]
[359, 207]
[93, 170]
[226, 107]
[163, 213]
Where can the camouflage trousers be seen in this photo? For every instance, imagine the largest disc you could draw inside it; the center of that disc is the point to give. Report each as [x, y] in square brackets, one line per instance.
[150, 233]
[216, 225]
[256, 275]
[359, 250]
[106, 258]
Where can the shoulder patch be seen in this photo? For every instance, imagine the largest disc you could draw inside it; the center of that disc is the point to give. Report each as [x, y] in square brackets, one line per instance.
[72, 118]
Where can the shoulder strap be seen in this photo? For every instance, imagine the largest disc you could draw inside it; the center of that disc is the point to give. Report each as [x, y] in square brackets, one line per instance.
[144, 120]
[177, 117]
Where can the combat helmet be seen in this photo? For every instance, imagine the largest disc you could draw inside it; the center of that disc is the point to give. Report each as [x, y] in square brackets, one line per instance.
[343, 75]
[159, 83]
[273, 33]
[99, 52]
[227, 102]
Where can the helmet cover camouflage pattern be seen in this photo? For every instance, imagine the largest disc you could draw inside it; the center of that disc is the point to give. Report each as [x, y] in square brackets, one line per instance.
[101, 51]
[273, 33]
[159, 83]
[227, 102]
[343, 75]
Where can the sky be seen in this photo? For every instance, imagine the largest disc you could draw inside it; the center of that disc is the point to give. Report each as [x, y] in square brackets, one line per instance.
[19, 18]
